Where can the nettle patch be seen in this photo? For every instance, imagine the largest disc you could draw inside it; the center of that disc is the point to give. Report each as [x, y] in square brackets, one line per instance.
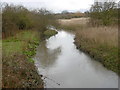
[30, 51]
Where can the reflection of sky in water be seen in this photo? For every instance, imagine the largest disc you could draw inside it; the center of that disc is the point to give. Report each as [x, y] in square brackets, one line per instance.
[63, 34]
[61, 62]
[46, 56]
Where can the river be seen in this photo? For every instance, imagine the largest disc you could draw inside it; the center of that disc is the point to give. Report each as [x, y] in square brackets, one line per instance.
[64, 66]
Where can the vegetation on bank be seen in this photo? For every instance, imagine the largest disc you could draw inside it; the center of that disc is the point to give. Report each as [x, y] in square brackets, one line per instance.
[100, 43]
[18, 65]
[99, 35]
[104, 13]
[16, 18]
[22, 31]
[68, 15]
[18, 71]
[49, 33]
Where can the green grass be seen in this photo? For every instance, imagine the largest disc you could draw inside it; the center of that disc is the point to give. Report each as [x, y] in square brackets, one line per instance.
[49, 33]
[18, 65]
[12, 47]
[18, 43]
[25, 42]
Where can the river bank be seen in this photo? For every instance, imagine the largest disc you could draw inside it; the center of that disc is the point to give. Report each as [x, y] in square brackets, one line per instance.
[18, 66]
[101, 43]
[61, 64]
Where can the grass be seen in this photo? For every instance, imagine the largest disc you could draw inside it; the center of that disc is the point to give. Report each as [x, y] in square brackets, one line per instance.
[73, 24]
[18, 43]
[100, 43]
[18, 71]
[49, 33]
[18, 66]
[10, 48]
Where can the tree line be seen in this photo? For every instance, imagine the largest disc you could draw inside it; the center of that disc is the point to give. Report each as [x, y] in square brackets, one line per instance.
[17, 17]
[103, 13]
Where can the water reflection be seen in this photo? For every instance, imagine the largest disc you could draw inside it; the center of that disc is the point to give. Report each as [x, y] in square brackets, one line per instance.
[47, 57]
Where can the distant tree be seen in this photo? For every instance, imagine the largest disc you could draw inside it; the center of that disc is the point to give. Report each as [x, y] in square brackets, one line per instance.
[65, 12]
[87, 13]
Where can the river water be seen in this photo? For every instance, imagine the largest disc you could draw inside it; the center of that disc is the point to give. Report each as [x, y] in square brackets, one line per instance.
[64, 66]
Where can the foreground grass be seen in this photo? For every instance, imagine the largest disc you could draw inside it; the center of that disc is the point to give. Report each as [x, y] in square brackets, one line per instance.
[18, 66]
[100, 43]
[18, 71]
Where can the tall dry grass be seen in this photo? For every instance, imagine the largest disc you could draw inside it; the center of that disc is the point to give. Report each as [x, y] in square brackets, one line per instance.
[99, 35]
[107, 35]
[73, 24]
[73, 21]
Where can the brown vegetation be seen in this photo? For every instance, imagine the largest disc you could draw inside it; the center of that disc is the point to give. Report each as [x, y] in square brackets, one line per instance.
[19, 73]
[16, 18]
[68, 15]
[100, 42]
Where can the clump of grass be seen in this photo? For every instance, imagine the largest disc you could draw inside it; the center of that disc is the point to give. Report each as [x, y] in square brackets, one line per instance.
[49, 33]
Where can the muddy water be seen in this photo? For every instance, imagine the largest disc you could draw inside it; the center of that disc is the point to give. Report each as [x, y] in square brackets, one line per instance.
[63, 66]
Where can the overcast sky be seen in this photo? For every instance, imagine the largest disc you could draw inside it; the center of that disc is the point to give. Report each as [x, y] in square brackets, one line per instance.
[55, 5]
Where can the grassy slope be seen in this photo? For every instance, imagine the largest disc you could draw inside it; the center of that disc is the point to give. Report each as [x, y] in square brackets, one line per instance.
[100, 43]
[17, 70]
[17, 52]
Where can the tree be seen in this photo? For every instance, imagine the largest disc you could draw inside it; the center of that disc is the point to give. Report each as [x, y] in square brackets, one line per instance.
[65, 12]
[103, 13]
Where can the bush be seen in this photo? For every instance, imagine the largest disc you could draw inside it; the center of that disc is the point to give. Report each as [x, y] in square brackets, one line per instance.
[17, 18]
[103, 14]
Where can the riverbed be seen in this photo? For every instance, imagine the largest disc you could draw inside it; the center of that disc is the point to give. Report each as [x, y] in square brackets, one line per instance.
[64, 66]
